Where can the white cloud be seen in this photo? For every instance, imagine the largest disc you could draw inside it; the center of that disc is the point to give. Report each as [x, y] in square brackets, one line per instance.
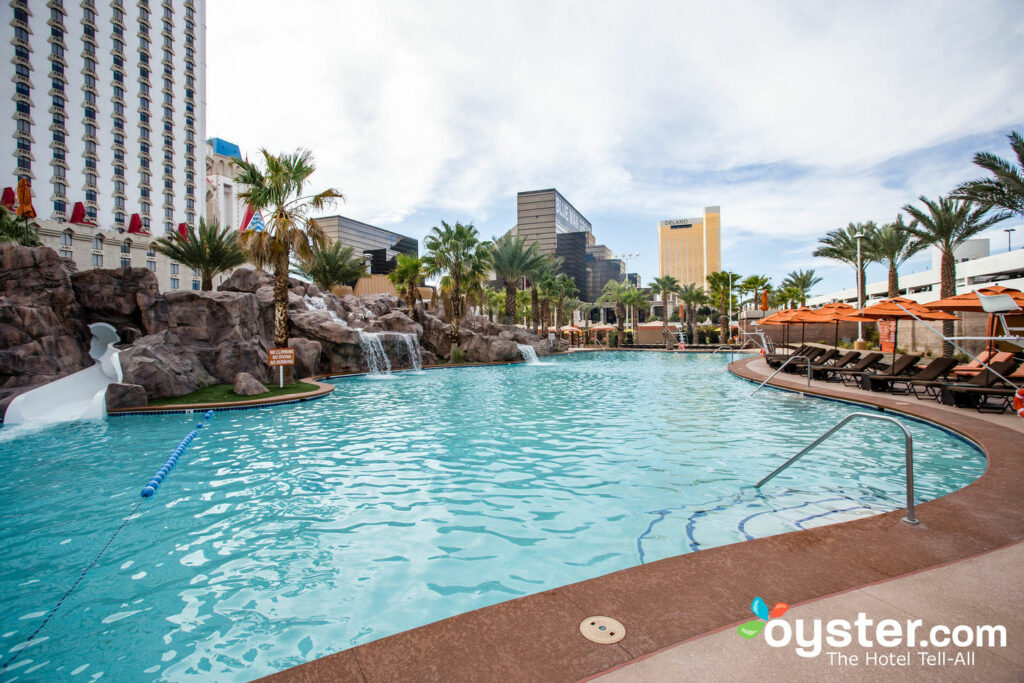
[448, 108]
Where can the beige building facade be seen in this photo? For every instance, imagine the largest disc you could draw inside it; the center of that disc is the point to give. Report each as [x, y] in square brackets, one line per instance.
[690, 248]
[223, 205]
[91, 247]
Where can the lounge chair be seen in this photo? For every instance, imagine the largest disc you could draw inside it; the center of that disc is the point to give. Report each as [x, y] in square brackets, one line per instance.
[813, 353]
[777, 359]
[935, 389]
[881, 381]
[800, 365]
[937, 369]
[967, 395]
[975, 364]
[995, 399]
[819, 370]
[855, 370]
[965, 373]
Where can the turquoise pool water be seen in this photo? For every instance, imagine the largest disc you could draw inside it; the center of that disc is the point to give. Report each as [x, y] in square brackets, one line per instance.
[292, 532]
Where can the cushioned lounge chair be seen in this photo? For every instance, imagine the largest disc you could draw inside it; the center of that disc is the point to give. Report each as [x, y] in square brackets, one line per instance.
[987, 399]
[777, 359]
[934, 371]
[881, 381]
[819, 370]
[863, 364]
[977, 391]
[966, 373]
[800, 365]
[933, 390]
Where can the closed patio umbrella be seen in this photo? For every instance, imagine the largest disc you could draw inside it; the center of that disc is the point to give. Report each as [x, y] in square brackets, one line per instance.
[25, 209]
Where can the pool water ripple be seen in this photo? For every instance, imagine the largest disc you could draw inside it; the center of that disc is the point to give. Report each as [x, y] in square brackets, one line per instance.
[292, 532]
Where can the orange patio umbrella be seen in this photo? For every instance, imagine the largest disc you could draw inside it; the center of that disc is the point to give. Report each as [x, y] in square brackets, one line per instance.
[969, 301]
[780, 317]
[25, 209]
[897, 309]
[835, 312]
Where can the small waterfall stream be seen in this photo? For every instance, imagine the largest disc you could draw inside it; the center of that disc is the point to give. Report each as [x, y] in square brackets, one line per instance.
[317, 303]
[529, 354]
[377, 361]
[412, 346]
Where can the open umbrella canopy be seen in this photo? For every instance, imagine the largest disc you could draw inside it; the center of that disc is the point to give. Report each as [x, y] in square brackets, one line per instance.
[899, 308]
[969, 301]
[776, 318]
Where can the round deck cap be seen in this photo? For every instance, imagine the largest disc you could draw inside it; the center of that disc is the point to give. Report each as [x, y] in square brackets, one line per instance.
[604, 630]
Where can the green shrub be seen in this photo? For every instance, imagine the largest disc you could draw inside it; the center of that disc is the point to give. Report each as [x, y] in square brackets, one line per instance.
[458, 356]
[629, 338]
[713, 336]
[613, 338]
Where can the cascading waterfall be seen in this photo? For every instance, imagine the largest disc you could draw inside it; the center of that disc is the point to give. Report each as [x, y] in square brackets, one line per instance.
[529, 354]
[377, 361]
[412, 345]
[317, 303]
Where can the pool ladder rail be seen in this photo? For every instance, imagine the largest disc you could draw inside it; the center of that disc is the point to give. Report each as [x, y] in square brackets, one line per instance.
[779, 369]
[908, 445]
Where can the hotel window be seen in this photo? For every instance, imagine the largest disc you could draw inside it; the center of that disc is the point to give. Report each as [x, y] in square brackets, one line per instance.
[66, 238]
[195, 285]
[97, 260]
[97, 242]
[174, 269]
[174, 283]
[151, 264]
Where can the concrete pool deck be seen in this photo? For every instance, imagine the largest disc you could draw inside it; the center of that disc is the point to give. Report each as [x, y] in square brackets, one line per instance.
[668, 602]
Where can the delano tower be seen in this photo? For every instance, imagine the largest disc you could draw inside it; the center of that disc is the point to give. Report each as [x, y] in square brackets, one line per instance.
[690, 248]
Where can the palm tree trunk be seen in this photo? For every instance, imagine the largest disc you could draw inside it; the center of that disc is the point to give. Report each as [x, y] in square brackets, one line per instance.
[207, 282]
[281, 313]
[664, 316]
[510, 303]
[620, 314]
[723, 322]
[947, 288]
[534, 307]
[894, 280]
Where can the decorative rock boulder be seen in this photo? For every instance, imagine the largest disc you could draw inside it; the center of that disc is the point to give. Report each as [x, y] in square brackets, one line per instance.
[307, 356]
[121, 396]
[164, 366]
[247, 385]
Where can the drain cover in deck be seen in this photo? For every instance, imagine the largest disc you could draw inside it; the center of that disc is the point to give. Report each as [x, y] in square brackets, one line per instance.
[604, 630]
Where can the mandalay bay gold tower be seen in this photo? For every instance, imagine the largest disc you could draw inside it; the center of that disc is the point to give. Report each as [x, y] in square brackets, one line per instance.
[690, 248]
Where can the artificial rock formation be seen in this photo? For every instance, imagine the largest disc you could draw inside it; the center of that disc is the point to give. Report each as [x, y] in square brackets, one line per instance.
[178, 342]
[247, 385]
[121, 396]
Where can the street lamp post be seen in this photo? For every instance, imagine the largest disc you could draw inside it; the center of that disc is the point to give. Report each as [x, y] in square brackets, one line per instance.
[1009, 246]
[860, 286]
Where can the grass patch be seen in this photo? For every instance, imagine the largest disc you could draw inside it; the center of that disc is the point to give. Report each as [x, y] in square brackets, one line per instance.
[222, 393]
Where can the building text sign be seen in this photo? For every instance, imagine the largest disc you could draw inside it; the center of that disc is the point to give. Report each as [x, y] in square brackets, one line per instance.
[277, 357]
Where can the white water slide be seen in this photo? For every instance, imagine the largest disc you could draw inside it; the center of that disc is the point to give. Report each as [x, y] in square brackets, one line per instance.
[81, 396]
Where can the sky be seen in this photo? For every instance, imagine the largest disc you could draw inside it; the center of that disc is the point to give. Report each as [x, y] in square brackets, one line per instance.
[795, 117]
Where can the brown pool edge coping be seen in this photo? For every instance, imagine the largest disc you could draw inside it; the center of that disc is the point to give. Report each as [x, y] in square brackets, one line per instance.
[667, 602]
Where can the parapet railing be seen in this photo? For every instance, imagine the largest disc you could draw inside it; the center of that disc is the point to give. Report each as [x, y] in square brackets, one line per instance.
[759, 386]
[908, 445]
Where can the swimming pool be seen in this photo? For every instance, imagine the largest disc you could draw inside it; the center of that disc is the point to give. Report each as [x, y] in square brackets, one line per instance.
[288, 533]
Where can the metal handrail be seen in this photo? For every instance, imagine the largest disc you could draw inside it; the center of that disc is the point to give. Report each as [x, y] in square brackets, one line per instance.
[908, 443]
[732, 355]
[777, 371]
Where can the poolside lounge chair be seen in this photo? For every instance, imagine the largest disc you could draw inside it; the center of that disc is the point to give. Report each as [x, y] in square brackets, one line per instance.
[977, 391]
[813, 353]
[966, 373]
[937, 369]
[854, 371]
[933, 389]
[820, 370]
[777, 359]
[988, 399]
[800, 365]
[975, 364]
[881, 381]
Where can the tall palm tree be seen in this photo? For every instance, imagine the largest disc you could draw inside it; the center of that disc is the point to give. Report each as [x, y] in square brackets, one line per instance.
[514, 259]
[615, 292]
[803, 281]
[635, 300]
[407, 277]
[523, 306]
[18, 230]
[947, 223]
[692, 296]
[331, 265]
[755, 284]
[664, 287]
[565, 288]
[1005, 190]
[841, 245]
[894, 244]
[209, 250]
[720, 285]
[543, 267]
[495, 303]
[457, 253]
[789, 296]
[277, 188]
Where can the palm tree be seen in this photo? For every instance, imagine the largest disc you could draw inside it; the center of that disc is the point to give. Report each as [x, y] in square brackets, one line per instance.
[893, 244]
[523, 306]
[543, 267]
[407, 277]
[616, 292]
[1006, 189]
[789, 296]
[18, 230]
[277, 189]
[692, 296]
[495, 302]
[514, 259]
[209, 250]
[457, 253]
[665, 286]
[565, 287]
[946, 224]
[720, 285]
[841, 245]
[755, 284]
[803, 281]
[635, 300]
[331, 265]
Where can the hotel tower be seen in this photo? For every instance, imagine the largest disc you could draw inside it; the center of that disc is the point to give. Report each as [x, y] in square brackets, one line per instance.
[105, 102]
[690, 248]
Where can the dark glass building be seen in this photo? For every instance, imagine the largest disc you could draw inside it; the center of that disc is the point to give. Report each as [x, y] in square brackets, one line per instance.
[378, 245]
[571, 247]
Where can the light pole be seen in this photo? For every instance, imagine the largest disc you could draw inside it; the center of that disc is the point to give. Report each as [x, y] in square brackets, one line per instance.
[1008, 231]
[860, 286]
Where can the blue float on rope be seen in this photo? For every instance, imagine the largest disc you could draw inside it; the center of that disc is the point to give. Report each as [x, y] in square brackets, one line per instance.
[153, 485]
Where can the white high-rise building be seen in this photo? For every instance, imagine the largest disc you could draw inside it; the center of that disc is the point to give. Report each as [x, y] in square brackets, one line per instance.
[107, 102]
